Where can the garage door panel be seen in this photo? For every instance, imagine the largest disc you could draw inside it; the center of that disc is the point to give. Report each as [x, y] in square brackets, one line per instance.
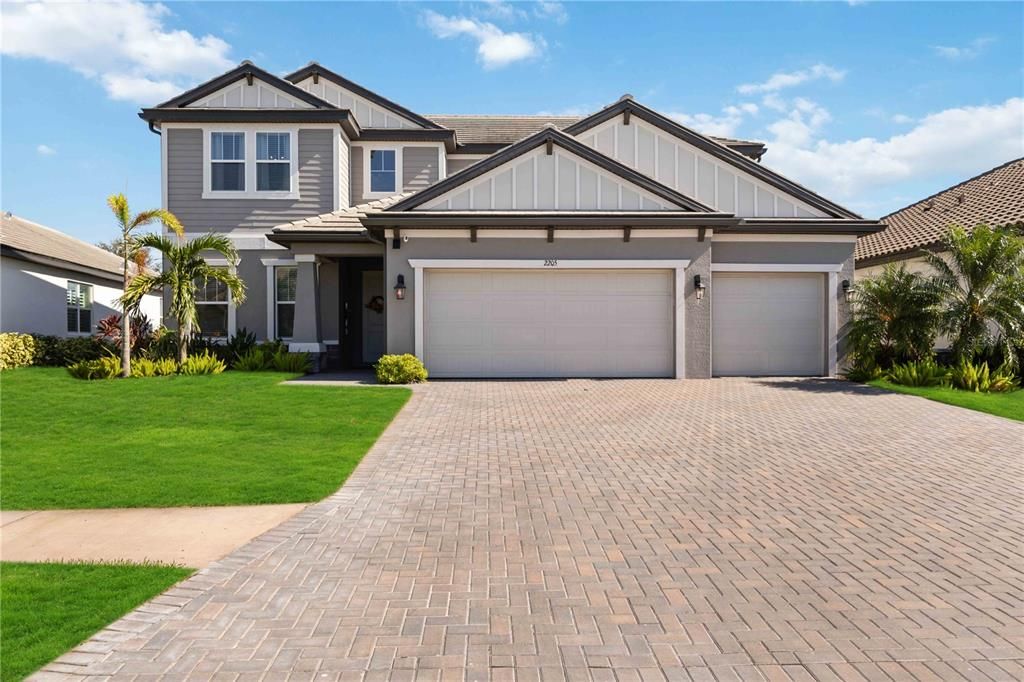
[538, 323]
[768, 324]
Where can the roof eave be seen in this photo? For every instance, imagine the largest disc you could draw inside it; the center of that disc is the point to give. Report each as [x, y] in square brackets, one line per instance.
[543, 220]
[51, 261]
[846, 226]
[286, 237]
[343, 117]
[244, 70]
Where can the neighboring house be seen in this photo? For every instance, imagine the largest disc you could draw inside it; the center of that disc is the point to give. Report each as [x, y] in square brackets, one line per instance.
[617, 244]
[994, 198]
[51, 283]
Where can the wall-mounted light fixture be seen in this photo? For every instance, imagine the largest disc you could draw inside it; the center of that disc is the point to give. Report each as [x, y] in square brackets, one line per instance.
[400, 288]
[699, 287]
[848, 290]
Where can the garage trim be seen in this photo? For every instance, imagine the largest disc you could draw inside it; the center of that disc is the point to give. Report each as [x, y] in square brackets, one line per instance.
[420, 265]
[831, 294]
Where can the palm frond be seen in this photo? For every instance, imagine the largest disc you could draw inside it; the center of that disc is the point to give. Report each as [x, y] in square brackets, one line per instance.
[158, 214]
[118, 204]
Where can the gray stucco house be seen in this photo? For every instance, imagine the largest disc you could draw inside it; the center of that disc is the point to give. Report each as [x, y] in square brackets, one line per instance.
[619, 244]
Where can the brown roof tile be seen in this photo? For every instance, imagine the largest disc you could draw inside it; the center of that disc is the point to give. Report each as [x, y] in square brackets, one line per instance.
[32, 238]
[994, 198]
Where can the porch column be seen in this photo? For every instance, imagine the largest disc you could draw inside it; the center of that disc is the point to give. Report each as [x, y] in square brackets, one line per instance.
[306, 335]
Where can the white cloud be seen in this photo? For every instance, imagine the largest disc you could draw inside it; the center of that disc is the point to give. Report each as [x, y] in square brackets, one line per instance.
[495, 48]
[45, 150]
[901, 118]
[124, 45]
[960, 141]
[781, 80]
[969, 51]
[555, 11]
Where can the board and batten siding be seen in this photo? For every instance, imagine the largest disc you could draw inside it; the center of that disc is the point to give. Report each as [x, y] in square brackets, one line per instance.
[455, 164]
[185, 186]
[539, 181]
[259, 95]
[368, 114]
[691, 171]
[420, 169]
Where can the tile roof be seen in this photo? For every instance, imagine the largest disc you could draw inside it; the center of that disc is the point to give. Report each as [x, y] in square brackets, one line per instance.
[32, 238]
[994, 198]
[345, 219]
[503, 129]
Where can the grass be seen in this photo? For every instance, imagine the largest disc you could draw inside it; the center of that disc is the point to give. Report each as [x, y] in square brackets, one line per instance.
[228, 439]
[50, 608]
[1009, 405]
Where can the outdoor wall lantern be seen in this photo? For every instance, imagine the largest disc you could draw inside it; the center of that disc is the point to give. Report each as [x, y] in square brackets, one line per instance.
[400, 288]
[848, 290]
[699, 287]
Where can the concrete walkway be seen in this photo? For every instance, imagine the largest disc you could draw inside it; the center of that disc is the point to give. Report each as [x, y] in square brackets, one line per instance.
[189, 536]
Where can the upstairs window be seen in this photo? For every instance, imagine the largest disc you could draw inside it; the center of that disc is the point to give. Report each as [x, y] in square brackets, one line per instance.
[212, 301]
[273, 162]
[383, 175]
[287, 280]
[79, 308]
[227, 162]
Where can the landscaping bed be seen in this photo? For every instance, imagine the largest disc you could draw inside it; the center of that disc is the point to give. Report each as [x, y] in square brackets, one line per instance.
[228, 439]
[50, 608]
[1009, 405]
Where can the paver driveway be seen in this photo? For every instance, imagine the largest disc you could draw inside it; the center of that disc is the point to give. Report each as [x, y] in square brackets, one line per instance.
[725, 529]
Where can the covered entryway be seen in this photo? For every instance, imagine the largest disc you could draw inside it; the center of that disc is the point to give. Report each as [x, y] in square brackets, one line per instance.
[768, 324]
[549, 322]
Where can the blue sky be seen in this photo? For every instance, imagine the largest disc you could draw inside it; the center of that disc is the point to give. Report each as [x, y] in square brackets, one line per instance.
[874, 105]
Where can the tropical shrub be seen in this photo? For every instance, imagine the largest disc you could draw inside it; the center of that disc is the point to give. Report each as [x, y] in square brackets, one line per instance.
[206, 363]
[980, 279]
[16, 350]
[143, 367]
[58, 351]
[108, 367]
[921, 373]
[165, 367]
[256, 360]
[296, 363]
[109, 330]
[976, 377]
[400, 369]
[864, 370]
[894, 317]
[238, 345]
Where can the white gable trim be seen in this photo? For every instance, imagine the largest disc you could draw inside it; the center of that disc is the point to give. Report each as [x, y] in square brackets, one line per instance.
[677, 164]
[367, 113]
[259, 95]
[589, 187]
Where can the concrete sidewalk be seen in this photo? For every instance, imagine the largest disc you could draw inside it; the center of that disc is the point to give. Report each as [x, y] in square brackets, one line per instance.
[189, 536]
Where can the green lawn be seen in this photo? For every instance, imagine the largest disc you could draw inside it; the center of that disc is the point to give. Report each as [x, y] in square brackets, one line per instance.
[233, 438]
[50, 608]
[1009, 405]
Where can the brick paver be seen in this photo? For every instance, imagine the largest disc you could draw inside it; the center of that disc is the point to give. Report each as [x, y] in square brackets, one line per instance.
[625, 530]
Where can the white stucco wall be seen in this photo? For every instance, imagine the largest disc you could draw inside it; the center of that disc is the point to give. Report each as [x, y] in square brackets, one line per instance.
[33, 298]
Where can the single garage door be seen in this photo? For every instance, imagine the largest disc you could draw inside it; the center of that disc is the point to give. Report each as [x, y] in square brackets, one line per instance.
[549, 323]
[768, 324]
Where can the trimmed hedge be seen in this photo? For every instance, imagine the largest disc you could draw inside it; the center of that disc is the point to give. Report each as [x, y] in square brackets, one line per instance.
[400, 369]
[16, 350]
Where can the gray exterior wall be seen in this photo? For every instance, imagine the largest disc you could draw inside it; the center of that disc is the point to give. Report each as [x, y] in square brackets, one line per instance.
[420, 169]
[456, 164]
[253, 313]
[400, 323]
[185, 186]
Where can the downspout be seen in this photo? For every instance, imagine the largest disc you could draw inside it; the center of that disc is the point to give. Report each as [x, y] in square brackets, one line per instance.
[153, 129]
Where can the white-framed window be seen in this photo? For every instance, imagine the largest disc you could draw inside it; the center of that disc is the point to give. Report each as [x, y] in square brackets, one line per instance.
[79, 309]
[250, 162]
[383, 171]
[286, 280]
[213, 302]
[273, 162]
[227, 162]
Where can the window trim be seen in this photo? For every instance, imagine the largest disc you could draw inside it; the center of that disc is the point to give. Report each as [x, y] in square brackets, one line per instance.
[232, 325]
[92, 299]
[278, 303]
[271, 264]
[399, 180]
[250, 130]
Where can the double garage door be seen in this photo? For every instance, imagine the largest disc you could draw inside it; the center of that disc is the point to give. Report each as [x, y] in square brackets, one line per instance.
[614, 323]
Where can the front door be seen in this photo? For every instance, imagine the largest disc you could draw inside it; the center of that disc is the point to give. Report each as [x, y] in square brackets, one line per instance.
[373, 315]
[362, 311]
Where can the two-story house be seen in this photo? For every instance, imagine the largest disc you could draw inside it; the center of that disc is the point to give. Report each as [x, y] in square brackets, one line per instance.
[618, 244]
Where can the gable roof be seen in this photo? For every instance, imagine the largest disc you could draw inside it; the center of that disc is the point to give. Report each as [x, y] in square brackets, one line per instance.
[716, 149]
[244, 70]
[551, 135]
[496, 131]
[318, 70]
[24, 239]
[994, 198]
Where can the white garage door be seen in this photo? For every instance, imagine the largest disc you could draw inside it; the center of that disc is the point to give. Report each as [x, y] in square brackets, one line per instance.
[549, 323]
[768, 324]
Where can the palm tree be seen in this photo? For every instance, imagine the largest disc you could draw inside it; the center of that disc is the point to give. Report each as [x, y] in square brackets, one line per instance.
[981, 281]
[894, 318]
[128, 249]
[185, 270]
